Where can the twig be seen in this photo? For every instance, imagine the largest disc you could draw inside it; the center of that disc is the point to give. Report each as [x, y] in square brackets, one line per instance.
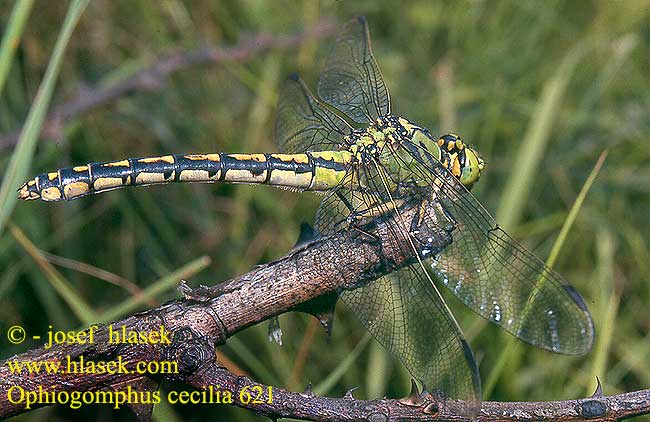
[154, 76]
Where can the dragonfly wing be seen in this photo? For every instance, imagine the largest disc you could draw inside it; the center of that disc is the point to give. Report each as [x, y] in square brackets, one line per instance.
[351, 80]
[499, 279]
[403, 312]
[303, 124]
[337, 205]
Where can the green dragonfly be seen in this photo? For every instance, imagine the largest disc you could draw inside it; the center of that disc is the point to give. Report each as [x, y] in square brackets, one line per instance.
[372, 165]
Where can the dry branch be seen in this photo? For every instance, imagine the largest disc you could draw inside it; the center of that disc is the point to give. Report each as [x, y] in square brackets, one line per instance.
[424, 406]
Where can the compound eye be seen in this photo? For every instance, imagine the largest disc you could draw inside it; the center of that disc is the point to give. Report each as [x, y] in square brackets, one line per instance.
[471, 169]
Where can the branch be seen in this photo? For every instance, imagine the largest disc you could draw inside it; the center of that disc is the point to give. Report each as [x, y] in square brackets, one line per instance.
[154, 76]
[417, 406]
[320, 268]
[207, 316]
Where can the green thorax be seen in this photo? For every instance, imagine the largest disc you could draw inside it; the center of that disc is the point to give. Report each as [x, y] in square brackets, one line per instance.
[400, 146]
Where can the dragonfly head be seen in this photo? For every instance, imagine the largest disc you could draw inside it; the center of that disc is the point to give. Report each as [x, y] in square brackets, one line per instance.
[463, 161]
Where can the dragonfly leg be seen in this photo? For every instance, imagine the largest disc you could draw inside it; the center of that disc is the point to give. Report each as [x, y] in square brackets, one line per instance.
[373, 238]
[354, 218]
[359, 213]
[366, 215]
[371, 207]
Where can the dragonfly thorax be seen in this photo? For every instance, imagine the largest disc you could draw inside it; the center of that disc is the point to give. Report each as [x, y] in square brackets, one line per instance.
[394, 141]
[464, 162]
[368, 144]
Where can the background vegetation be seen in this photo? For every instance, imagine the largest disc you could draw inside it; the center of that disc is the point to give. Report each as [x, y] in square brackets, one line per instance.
[540, 88]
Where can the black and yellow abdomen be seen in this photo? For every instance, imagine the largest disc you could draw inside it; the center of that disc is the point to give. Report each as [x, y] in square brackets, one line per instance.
[309, 171]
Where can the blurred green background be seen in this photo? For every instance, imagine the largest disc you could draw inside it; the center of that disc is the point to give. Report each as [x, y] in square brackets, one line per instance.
[540, 88]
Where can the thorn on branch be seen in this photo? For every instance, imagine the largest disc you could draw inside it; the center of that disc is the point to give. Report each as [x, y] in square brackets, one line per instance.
[415, 398]
[599, 389]
[308, 391]
[348, 394]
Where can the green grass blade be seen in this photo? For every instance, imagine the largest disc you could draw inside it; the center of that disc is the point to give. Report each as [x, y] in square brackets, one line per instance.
[573, 212]
[609, 304]
[81, 309]
[171, 280]
[22, 155]
[252, 360]
[512, 346]
[377, 368]
[330, 381]
[529, 155]
[164, 412]
[12, 35]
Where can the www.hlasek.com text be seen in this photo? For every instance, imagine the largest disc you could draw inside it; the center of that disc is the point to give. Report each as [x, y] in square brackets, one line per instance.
[81, 365]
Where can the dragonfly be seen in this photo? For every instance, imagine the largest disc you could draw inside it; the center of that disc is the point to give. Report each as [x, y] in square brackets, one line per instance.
[372, 164]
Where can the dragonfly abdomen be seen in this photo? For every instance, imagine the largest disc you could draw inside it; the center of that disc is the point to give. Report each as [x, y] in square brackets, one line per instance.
[308, 171]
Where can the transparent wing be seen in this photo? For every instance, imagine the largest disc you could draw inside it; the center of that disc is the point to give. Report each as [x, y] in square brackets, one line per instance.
[498, 278]
[403, 310]
[351, 80]
[339, 203]
[302, 124]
